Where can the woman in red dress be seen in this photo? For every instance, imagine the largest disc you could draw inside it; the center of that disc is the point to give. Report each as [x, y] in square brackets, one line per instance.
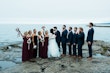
[25, 51]
[34, 39]
[41, 44]
[45, 49]
[30, 44]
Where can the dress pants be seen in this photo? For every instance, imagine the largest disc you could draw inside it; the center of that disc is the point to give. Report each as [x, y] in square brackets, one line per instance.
[79, 50]
[64, 48]
[90, 50]
[74, 50]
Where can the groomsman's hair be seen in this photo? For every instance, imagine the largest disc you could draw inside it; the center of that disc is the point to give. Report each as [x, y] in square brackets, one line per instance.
[75, 27]
[64, 26]
[91, 24]
[55, 27]
[81, 28]
[71, 28]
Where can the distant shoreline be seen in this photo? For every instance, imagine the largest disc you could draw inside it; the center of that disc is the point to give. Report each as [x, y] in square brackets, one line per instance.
[101, 26]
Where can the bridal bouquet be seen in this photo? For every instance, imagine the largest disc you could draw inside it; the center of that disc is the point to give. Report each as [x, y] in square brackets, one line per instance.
[17, 30]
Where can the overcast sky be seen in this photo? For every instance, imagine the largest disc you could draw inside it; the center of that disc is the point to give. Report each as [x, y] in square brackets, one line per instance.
[52, 11]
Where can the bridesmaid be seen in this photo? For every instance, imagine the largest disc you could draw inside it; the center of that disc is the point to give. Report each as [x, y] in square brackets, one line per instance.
[25, 51]
[41, 44]
[30, 44]
[45, 49]
[34, 39]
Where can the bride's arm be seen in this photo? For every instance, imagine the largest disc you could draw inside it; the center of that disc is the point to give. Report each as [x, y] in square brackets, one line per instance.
[52, 36]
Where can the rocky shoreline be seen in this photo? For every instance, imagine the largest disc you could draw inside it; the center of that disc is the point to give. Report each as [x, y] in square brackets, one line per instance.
[10, 61]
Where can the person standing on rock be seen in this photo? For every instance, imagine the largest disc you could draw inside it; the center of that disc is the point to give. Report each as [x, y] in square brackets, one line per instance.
[34, 40]
[57, 33]
[64, 39]
[90, 39]
[70, 40]
[25, 50]
[75, 35]
[81, 37]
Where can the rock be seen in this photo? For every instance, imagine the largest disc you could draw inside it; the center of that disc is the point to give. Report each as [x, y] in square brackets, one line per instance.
[7, 57]
[17, 60]
[99, 64]
[107, 53]
[99, 56]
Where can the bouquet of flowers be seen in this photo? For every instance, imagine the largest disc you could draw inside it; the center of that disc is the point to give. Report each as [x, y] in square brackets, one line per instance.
[17, 30]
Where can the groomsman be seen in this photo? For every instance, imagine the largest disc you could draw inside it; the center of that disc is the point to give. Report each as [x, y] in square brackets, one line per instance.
[70, 41]
[90, 39]
[75, 35]
[81, 37]
[58, 38]
[64, 39]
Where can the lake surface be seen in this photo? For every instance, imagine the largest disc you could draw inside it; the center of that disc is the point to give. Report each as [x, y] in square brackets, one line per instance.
[8, 33]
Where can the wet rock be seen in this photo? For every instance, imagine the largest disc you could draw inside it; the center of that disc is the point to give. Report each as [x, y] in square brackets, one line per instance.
[6, 64]
[100, 63]
[107, 53]
[17, 60]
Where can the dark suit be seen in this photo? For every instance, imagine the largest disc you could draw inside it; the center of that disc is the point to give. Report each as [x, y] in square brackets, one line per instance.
[81, 37]
[64, 40]
[90, 39]
[75, 38]
[58, 38]
[70, 40]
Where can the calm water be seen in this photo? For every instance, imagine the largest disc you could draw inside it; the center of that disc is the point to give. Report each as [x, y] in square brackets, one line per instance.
[8, 33]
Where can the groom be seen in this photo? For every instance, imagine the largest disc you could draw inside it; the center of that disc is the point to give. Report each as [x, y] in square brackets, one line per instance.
[64, 39]
[57, 33]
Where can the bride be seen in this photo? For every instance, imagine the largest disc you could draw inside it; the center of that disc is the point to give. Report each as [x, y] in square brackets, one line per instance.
[53, 49]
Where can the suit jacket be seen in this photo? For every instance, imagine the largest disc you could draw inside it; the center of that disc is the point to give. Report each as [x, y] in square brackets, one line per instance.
[90, 35]
[81, 38]
[58, 38]
[70, 37]
[64, 36]
[75, 38]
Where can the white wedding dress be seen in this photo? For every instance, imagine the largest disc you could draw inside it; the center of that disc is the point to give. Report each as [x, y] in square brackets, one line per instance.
[53, 49]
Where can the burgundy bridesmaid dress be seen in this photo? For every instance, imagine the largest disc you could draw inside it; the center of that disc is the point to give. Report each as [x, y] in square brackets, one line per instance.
[31, 55]
[35, 49]
[25, 51]
[40, 49]
[45, 48]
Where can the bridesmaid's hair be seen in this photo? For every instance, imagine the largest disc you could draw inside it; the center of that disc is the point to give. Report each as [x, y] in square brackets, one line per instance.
[39, 33]
[25, 33]
[51, 31]
[46, 32]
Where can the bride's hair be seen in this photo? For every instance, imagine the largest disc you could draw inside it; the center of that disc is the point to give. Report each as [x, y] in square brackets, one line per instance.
[51, 31]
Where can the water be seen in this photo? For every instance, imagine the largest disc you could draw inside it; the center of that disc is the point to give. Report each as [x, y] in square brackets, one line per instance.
[6, 64]
[8, 33]
[99, 56]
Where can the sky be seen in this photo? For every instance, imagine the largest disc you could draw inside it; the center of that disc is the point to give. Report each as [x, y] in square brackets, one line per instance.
[54, 11]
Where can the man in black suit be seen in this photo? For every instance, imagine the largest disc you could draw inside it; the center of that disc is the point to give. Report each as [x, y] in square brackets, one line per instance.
[81, 37]
[75, 35]
[64, 39]
[70, 39]
[57, 33]
[90, 39]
